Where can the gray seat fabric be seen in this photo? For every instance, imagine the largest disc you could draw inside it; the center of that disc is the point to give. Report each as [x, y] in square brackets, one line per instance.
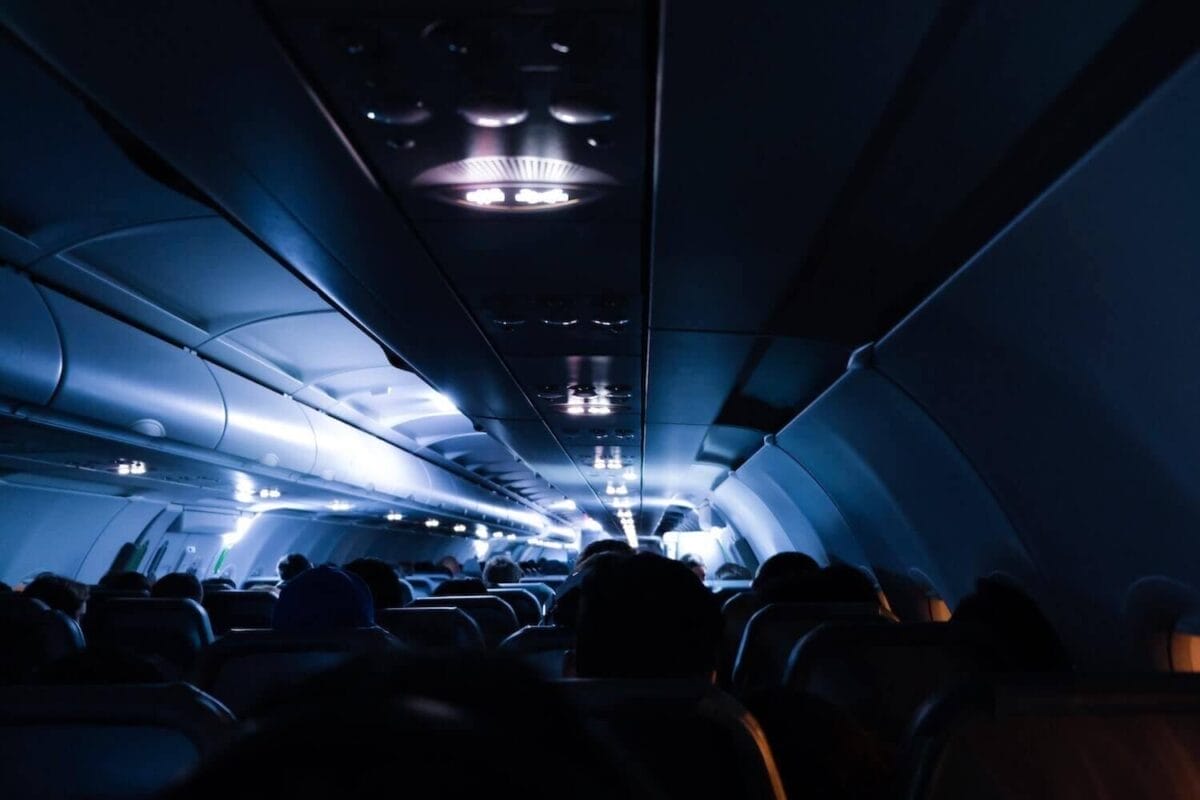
[128, 741]
[543, 648]
[33, 635]
[1059, 738]
[883, 673]
[247, 667]
[524, 604]
[495, 618]
[444, 628]
[170, 631]
[774, 630]
[239, 609]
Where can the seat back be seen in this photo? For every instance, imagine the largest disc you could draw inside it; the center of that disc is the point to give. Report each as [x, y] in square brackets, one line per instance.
[33, 635]
[1038, 738]
[543, 648]
[247, 667]
[127, 741]
[170, 631]
[495, 617]
[727, 753]
[524, 605]
[251, 583]
[553, 581]
[421, 587]
[883, 673]
[735, 615]
[444, 628]
[774, 630]
[543, 593]
[239, 609]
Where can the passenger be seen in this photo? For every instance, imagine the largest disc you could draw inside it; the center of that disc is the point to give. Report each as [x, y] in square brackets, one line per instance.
[381, 579]
[645, 616]
[730, 571]
[292, 565]
[501, 569]
[784, 567]
[5, 588]
[602, 546]
[695, 564]
[564, 609]
[125, 581]
[179, 584]
[100, 665]
[451, 565]
[1012, 621]
[323, 599]
[219, 584]
[459, 586]
[59, 593]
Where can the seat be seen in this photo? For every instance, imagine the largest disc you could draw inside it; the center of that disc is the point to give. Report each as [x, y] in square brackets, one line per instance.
[170, 631]
[495, 617]
[443, 628]
[727, 754]
[421, 587]
[406, 593]
[251, 583]
[544, 648]
[524, 604]
[735, 615]
[543, 593]
[247, 667]
[882, 674]
[553, 581]
[128, 741]
[239, 609]
[33, 635]
[1043, 737]
[774, 630]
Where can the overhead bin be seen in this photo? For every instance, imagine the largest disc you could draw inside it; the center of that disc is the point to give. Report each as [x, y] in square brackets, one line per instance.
[264, 426]
[753, 519]
[117, 374]
[31, 360]
[347, 455]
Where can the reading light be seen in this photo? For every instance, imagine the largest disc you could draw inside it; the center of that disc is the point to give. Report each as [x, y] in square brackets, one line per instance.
[610, 488]
[394, 516]
[339, 505]
[545, 197]
[512, 537]
[575, 410]
[622, 489]
[269, 494]
[614, 463]
[485, 197]
[600, 411]
[497, 534]
[460, 528]
[131, 468]
[630, 474]
[431, 523]
[599, 463]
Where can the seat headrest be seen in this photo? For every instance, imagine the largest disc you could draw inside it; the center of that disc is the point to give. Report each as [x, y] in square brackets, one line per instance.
[494, 616]
[433, 628]
[239, 609]
[524, 604]
[33, 635]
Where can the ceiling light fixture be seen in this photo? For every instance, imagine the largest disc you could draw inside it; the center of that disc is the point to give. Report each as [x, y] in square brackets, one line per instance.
[460, 528]
[339, 505]
[485, 197]
[497, 534]
[394, 516]
[481, 531]
[431, 523]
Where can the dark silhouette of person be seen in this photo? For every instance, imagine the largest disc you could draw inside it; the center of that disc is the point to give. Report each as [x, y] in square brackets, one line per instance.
[292, 565]
[179, 584]
[386, 589]
[1005, 615]
[645, 616]
[323, 599]
[502, 569]
[59, 593]
[459, 586]
[125, 581]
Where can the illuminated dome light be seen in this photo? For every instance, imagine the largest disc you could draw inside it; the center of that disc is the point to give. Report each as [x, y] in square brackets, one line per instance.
[394, 516]
[485, 197]
[497, 535]
[513, 183]
[630, 474]
[431, 523]
[493, 112]
[550, 196]
[614, 463]
[402, 111]
[339, 505]
[460, 528]
[599, 411]
[577, 109]
[512, 537]
[599, 463]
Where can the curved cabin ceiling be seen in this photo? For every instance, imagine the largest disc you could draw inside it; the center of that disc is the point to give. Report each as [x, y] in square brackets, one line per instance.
[554, 214]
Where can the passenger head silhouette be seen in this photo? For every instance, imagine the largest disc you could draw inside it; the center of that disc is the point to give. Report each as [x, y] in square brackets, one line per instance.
[451, 566]
[695, 564]
[125, 581]
[323, 599]
[730, 571]
[502, 569]
[645, 616]
[292, 565]
[602, 546]
[783, 567]
[459, 586]
[381, 579]
[1012, 621]
[59, 593]
[178, 584]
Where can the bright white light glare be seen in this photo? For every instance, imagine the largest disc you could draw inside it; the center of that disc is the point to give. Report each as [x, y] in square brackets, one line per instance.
[553, 545]
[631, 537]
[339, 505]
[622, 489]
[431, 523]
[123, 469]
[546, 197]
[394, 516]
[590, 524]
[481, 531]
[576, 410]
[269, 494]
[600, 411]
[599, 463]
[563, 505]
[137, 468]
[622, 502]
[242, 496]
[371, 115]
[485, 197]
[610, 488]
[630, 474]
[497, 535]
[460, 528]
[614, 463]
[481, 549]
[443, 403]
[512, 537]
[241, 528]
